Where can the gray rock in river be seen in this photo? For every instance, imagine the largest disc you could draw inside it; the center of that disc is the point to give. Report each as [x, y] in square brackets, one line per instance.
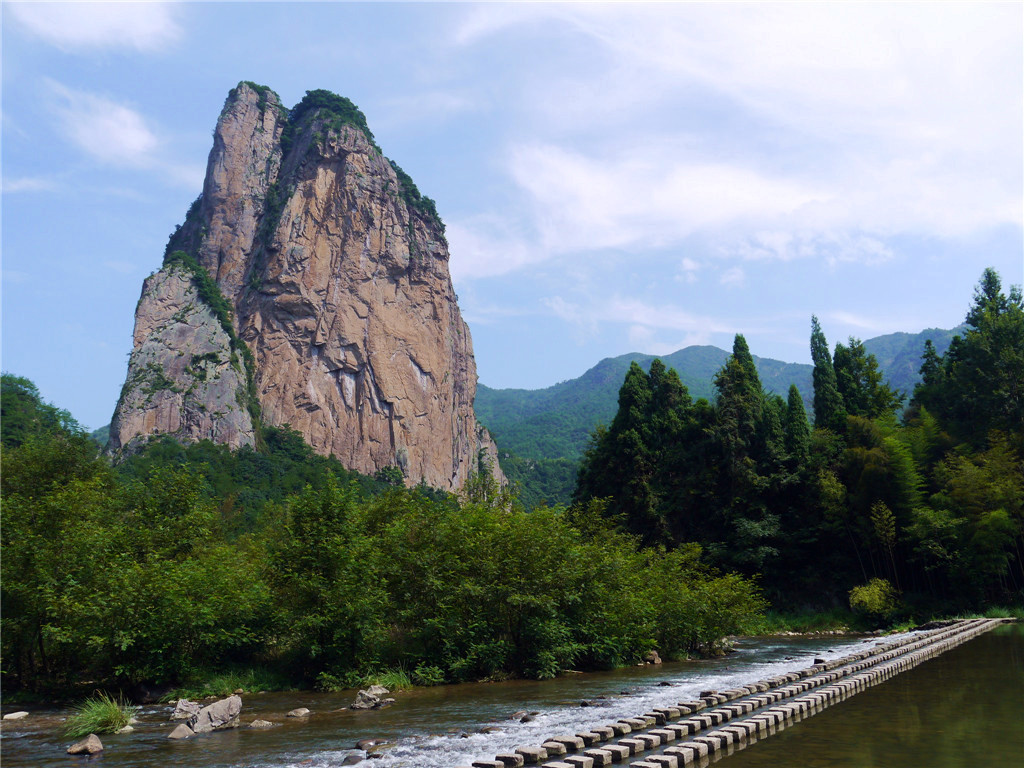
[181, 732]
[217, 716]
[300, 712]
[90, 745]
[185, 709]
[371, 698]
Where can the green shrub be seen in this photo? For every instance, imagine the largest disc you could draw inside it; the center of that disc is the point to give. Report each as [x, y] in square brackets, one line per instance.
[877, 600]
[100, 714]
[427, 675]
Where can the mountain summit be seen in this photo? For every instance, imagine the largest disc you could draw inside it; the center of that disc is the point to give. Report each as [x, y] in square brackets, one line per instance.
[308, 287]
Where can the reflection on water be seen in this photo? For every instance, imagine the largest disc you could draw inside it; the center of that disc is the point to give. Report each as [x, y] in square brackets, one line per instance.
[962, 708]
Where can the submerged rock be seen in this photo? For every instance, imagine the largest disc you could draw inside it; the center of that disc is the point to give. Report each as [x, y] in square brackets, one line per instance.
[300, 712]
[261, 724]
[90, 745]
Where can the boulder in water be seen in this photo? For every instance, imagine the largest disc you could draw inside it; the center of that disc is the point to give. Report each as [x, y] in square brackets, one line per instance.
[181, 732]
[90, 745]
[185, 709]
[218, 716]
[300, 712]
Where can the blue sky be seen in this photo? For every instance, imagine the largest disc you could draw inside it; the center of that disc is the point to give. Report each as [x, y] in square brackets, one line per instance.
[614, 178]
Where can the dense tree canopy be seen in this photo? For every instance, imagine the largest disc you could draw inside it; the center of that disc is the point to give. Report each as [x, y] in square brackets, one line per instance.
[182, 561]
[931, 505]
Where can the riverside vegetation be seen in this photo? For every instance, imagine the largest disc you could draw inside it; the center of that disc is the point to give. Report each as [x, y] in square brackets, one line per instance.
[183, 562]
[277, 567]
[869, 504]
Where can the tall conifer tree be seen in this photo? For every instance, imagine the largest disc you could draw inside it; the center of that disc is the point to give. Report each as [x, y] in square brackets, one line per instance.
[828, 403]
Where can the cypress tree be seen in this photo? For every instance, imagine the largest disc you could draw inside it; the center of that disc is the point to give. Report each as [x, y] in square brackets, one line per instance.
[797, 431]
[828, 402]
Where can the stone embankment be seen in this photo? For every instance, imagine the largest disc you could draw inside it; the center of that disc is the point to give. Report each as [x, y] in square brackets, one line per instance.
[720, 722]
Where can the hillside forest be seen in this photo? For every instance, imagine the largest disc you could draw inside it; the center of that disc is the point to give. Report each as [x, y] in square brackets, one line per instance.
[691, 519]
[925, 500]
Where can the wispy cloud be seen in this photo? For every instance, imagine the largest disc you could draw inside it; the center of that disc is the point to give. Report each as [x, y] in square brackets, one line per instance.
[733, 276]
[487, 246]
[636, 314]
[143, 26]
[28, 184]
[427, 106]
[776, 131]
[116, 135]
[834, 246]
[110, 132]
[651, 198]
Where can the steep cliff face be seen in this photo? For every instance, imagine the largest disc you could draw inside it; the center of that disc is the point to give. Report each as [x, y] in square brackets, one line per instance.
[336, 274]
[183, 378]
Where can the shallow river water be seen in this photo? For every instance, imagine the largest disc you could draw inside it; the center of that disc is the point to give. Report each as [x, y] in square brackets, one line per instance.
[450, 726]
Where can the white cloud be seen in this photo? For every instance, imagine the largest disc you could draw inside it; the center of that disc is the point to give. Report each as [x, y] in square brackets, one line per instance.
[144, 26]
[636, 314]
[834, 247]
[733, 276]
[112, 133]
[27, 184]
[650, 198]
[778, 131]
[486, 246]
[117, 135]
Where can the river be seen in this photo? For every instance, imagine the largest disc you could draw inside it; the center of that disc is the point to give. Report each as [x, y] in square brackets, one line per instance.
[449, 726]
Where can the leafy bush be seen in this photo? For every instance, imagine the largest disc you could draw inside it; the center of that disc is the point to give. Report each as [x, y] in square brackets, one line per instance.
[428, 675]
[100, 714]
[877, 600]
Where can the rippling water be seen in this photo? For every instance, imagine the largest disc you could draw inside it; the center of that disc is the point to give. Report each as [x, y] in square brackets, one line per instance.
[439, 727]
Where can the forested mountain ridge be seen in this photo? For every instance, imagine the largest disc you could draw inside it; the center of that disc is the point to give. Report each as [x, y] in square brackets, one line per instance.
[556, 422]
[541, 434]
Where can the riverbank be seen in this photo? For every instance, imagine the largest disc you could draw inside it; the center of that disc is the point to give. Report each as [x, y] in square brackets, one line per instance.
[253, 679]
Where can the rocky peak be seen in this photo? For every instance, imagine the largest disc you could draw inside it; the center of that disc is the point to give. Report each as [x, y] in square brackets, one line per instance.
[333, 273]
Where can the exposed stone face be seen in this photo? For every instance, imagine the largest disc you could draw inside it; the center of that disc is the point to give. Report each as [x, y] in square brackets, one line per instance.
[183, 380]
[340, 289]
